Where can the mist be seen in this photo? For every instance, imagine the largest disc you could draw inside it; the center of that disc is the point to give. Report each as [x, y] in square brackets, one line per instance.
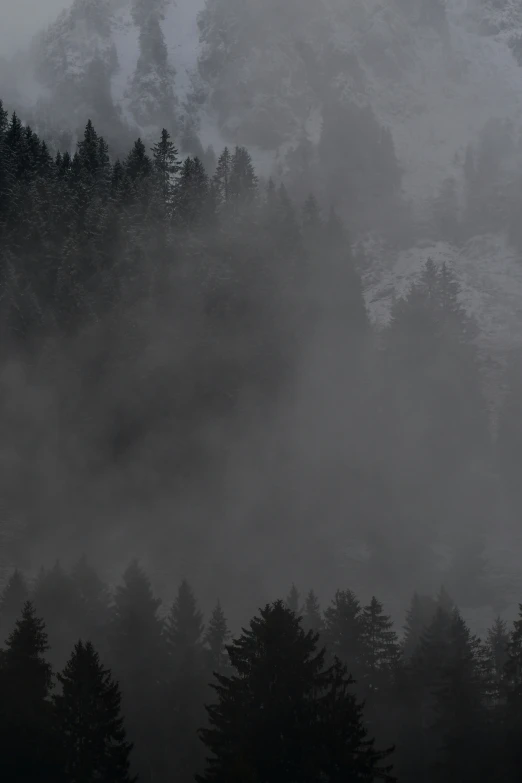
[260, 274]
[21, 21]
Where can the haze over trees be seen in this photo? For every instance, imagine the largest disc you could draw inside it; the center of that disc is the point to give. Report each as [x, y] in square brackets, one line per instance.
[259, 325]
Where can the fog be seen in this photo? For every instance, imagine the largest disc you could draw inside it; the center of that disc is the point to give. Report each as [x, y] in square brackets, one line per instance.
[22, 20]
[260, 341]
[351, 468]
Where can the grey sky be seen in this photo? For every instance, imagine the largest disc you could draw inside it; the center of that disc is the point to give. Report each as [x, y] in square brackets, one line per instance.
[21, 19]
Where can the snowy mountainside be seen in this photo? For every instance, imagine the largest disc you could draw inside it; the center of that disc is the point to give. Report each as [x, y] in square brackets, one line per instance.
[489, 272]
[435, 90]
[434, 85]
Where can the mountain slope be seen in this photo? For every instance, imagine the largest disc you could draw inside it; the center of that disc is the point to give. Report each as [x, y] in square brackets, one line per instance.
[265, 78]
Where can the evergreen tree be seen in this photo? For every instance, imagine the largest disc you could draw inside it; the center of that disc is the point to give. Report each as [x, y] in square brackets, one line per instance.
[431, 341]
[192, 193]
[282, 716]
[461, 720]
[27, 737]
[343, 632]
[13, 597]
[243, 179]
[512, 697]
[497, 646]
[293, 600]
[184, 626]
[167, 166]
[312, 619]
[138, 660]
[184, 635]
[418, 617]
[222, 176]
[381, 648]
[138, 165]
[215, 640]
[87, 713]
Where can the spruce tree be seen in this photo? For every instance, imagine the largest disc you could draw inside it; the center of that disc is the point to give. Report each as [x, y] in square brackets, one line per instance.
[312, 619]
[512, 698]
[293, 600]
[89, 722]
[215, 640]
[184, 626]
[222, 176]
[381, 650]
[418, 618]
[27, 736]
[343, 632]
[13, 597]
[138, 165]
[138, 659]
[282, 716]
[167, 166]
[497, 645]
[192, 193]
[243, 179]
[188, 675]
[461, 721]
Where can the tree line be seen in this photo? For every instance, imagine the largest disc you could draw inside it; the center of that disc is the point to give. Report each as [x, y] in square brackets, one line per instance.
[300, 693]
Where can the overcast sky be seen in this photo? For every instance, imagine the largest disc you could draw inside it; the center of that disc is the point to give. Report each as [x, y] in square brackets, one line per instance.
[21, 19]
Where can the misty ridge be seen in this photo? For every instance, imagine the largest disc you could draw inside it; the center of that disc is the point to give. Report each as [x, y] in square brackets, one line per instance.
[260, 325]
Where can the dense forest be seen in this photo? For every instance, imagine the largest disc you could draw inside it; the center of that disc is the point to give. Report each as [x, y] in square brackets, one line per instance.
[115, 684]
[196, 338]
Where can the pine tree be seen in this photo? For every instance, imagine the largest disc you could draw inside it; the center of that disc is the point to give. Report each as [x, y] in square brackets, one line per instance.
[312, 619]
[192, 193]
[184, 626]
[243, 179]
[89, 149]
[167, 166]
[184, 636]
[418, 617]
[215, 640]
[87, 713]
[460, 716]
[281, 716]
[138, 660]
[138, 165]
[513, 674]
[497, 646]
[293, 600]
[430, 342]
[27, 737]
[380, 647]
[343, 631]
[13, 597]
[222, 176]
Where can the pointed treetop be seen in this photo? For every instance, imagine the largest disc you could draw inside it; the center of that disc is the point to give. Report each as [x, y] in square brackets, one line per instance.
[293, 599]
